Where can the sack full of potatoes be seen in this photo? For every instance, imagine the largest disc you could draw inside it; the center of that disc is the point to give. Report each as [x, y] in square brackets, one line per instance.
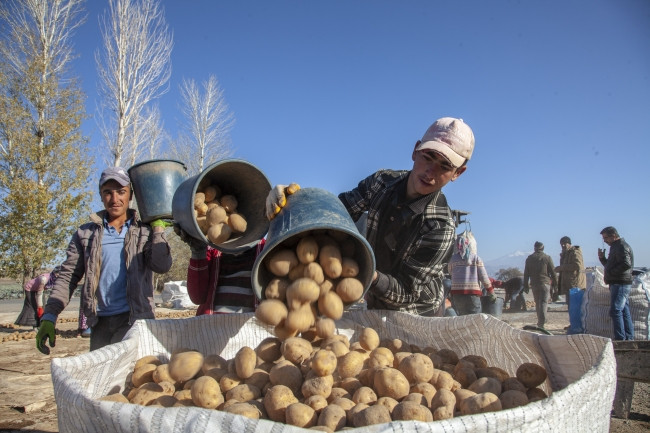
[372, 371]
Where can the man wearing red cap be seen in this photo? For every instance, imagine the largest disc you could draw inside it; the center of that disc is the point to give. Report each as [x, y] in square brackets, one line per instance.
[410, 226]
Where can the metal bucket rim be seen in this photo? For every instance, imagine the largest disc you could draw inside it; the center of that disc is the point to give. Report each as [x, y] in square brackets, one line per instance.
[196, 180]
[155, 160]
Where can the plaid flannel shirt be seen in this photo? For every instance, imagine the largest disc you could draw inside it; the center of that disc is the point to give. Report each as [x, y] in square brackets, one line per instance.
[415, 284]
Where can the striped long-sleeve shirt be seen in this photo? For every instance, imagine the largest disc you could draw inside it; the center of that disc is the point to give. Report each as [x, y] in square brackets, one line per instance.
[221, 283]
[410, 262]
[468, 275]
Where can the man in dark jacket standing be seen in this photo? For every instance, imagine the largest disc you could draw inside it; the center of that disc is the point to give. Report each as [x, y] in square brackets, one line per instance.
[618, 274]
[117, 253]
[540, 271]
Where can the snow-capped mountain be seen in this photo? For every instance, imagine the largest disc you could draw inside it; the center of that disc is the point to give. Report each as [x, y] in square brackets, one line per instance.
[513, 260]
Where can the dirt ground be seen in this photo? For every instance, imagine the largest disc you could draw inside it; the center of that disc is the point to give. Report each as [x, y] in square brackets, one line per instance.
[27, 396]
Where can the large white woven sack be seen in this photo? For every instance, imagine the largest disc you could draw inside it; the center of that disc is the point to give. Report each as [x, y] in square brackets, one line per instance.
[596, 302]
[581, 368]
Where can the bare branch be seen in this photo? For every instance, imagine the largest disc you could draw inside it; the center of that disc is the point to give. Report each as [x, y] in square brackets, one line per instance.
[208, 121]
[133, 69]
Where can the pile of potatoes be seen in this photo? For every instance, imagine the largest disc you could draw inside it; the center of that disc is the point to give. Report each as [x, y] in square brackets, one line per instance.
[329, 384]
[18, 336]
[216, 214]
[313, 281]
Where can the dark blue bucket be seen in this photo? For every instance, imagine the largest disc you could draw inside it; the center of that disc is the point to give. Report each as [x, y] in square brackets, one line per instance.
[234, 176]
[492, 308]
[312, 210]
[154, 184]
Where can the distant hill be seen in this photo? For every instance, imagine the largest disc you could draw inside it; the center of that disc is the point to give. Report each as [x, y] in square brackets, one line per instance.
[513, 260]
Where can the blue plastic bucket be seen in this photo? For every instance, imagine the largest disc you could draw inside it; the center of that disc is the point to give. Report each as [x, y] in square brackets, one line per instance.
[576, 295]
[311, 211]
[234, 176]
[154, 184]
[492, 308]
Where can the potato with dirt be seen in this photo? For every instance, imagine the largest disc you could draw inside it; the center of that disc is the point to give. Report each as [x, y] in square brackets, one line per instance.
[416, 367]
[333, 417]
[276, 401]
[183, 366]
[245, 362]
[307, 250]
[531, 374]
[281, 261]
[206, 393]
[301, 415]
[480, 403]
[375, 414]
[288, 374]
[411, 411]
[324, 362]
[244, 409]
[244, 392]
[271, 311]
[390, 382]
[350, 364]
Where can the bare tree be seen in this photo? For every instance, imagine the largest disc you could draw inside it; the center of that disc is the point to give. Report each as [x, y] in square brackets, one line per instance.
[150, 134]
[44, 161]
[155, 135]
[133, 69]
[208, 121]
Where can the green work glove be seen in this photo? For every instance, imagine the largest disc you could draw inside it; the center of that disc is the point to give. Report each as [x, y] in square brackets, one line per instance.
[45, 331]
[526, 289]
[493, 298]
[161, 223]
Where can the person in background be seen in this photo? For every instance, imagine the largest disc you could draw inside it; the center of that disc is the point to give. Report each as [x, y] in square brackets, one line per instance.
[571, 271]
[32, 310]
[410, 226]
[118, 254]
[220, 282]
[539, 274]
[618, 274]
[468, 276]
[514, 288]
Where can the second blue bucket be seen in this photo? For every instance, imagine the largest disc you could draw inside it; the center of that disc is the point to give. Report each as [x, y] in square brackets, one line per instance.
[234, 176]
[154, 184]
[312, 210]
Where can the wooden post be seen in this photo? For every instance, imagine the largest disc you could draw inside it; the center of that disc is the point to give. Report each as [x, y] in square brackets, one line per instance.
[632, 365]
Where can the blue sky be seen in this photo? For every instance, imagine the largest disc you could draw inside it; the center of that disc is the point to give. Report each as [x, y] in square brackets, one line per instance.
[326, 92]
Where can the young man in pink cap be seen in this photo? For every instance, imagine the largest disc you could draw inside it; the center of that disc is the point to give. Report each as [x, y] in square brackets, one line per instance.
[410, 226]
[118, 254]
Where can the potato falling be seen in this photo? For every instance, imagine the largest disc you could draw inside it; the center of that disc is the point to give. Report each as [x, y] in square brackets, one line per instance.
[308, 285]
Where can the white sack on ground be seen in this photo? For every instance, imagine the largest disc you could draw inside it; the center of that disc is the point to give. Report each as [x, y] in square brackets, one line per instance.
[175, 293]
[581, 369]
[596, 302]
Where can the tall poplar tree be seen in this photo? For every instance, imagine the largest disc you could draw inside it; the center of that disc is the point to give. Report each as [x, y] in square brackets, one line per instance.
[44, 159]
